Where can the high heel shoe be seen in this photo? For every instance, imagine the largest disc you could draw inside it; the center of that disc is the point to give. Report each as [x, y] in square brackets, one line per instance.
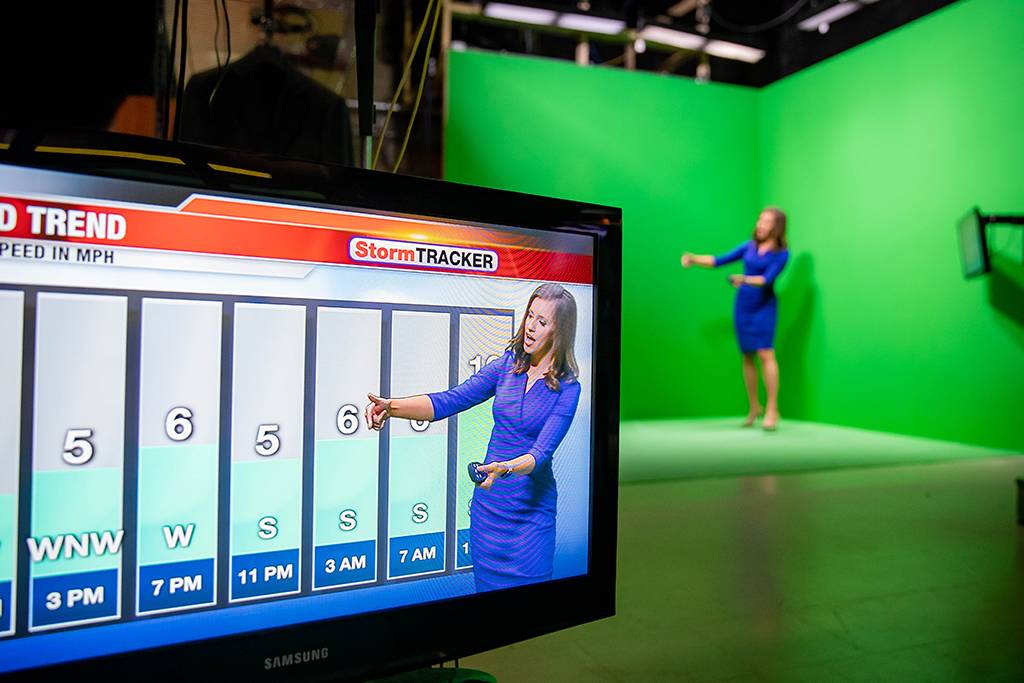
[749, 422]
[770, 426]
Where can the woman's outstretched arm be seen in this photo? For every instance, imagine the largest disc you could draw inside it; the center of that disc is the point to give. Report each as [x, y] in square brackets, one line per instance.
[702, 260]
[411, 408]
[439, 405]
[708, 261]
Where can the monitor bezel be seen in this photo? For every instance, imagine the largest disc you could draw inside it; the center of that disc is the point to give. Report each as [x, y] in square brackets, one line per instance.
[394, 640]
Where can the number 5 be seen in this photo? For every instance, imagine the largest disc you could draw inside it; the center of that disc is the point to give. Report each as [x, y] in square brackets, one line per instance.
[267, 442]
[77, 440]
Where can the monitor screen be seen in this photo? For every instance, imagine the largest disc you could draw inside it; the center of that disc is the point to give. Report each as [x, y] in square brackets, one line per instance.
[188, 374]
[973, 247]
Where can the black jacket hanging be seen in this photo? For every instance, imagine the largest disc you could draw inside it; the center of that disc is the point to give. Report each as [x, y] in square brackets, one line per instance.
[265, 104]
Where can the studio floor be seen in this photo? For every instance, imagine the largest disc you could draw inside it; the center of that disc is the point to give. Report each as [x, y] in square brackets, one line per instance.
[661, 450]
[905, 573]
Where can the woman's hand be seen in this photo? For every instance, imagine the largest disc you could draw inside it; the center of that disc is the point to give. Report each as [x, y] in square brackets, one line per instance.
[736, 280]
[687, 259]
[494, 471]
[378, 410]
[522, 465]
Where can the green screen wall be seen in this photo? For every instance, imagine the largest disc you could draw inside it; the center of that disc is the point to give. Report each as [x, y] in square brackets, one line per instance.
[677, 157]
[874, 154]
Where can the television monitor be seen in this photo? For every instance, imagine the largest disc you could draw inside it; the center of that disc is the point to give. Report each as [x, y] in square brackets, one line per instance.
[974, 256]
[188, 339]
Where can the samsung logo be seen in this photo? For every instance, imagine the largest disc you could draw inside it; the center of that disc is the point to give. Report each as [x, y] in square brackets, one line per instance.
[293, 658]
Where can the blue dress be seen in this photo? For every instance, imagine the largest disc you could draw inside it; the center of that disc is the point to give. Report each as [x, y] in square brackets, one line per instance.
[512, 528]
[756, 308]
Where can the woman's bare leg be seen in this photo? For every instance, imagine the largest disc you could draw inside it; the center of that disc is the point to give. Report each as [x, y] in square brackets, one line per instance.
[770, 371]
[750, 380]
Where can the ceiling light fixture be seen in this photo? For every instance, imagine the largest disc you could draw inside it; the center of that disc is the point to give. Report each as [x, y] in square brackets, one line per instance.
[726, 50]
[652, 33]
[668, 36]
[826, 17]
[691, 41]
[524, 15]
[590, 24]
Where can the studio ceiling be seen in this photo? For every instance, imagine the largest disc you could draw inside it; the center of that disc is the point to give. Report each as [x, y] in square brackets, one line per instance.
[769, 25]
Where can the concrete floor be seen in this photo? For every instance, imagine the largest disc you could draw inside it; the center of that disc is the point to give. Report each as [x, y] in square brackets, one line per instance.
[911, 573]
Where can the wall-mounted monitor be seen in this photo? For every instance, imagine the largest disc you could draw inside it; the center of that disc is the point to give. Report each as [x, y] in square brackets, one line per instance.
[974, 256]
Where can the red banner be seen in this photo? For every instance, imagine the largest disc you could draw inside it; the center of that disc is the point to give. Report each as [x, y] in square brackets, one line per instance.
[209, 225]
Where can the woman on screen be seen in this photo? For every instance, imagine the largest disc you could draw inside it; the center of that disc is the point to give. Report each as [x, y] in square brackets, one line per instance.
[536, 391]
[755, 311]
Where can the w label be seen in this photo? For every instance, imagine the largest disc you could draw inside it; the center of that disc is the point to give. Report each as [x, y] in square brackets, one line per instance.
[68, 546]
[178, 536]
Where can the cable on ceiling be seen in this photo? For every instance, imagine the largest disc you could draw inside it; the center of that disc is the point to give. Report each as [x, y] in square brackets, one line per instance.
[757, 28]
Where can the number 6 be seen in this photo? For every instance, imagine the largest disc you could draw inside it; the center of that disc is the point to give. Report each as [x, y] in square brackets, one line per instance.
[348, 421]
[178, 424]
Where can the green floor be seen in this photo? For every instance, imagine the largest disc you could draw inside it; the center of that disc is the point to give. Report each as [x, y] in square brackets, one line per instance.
[719, 447]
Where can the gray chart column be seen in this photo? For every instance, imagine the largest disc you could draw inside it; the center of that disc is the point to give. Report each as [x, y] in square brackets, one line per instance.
[418, 467]
[268, 380]
[179, 435]
[482, 340]
[11, 330]
[77, 460]
[345, 486]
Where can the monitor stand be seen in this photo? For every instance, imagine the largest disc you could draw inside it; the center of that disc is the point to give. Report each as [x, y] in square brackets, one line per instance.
[457, 675]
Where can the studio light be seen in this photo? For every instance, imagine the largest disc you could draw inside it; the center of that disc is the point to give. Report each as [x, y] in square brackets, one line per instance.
[742, 53]
[651, 34]
[690, 41]
[668, 36]
[524, 15]
[591, 24]
[826, 17]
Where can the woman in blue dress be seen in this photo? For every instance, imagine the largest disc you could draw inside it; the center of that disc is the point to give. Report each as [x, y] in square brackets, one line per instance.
[756, 309]
[536, 391]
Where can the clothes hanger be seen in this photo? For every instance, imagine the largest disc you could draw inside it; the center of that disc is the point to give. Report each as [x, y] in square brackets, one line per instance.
[283, 19]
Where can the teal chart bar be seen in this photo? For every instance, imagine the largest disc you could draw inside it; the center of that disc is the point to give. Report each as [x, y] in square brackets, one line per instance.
[76, 533]
[418, 467]
[266, 450]
[345, 478]
[11, 331]
[482, 340]
[179, 433]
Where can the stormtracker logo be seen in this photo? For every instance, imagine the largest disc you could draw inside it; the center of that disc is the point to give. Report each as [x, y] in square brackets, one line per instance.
[293, 658]
[371, 250]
